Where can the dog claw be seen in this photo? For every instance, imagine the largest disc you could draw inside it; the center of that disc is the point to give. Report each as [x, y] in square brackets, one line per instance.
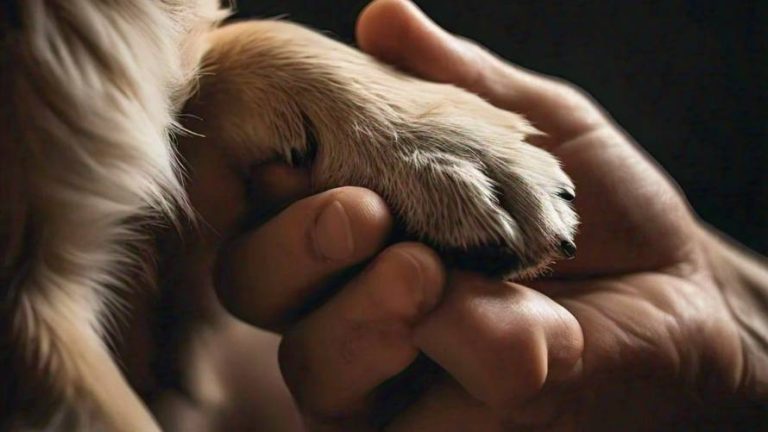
[568, 248]
[567, 194]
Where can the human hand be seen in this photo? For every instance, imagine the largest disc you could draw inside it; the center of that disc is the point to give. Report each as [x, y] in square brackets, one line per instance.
[281, 275]
[633, 333]
[638, 314]
[344, 332]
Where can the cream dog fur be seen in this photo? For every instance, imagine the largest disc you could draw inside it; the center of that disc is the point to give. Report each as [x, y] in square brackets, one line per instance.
[92, 90]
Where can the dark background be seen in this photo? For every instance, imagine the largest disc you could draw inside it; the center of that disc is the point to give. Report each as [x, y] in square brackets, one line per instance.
[687, 79]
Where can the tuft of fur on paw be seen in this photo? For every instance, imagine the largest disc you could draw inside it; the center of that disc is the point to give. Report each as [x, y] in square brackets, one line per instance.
[456, 171]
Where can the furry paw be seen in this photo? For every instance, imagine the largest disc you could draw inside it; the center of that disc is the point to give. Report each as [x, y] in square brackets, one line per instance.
[462, 178]
[456, 171]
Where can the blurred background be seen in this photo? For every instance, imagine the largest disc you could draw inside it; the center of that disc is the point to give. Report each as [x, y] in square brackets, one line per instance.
[687, 79]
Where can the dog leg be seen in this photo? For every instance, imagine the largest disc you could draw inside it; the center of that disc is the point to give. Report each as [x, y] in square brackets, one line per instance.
[91, 89]
[456, 171]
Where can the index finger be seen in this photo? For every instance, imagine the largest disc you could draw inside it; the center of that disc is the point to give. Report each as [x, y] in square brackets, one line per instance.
[399, 33]
[267, 276]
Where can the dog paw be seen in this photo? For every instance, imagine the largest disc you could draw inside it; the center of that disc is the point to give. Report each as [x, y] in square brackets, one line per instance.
[463, 179]
[456, 171]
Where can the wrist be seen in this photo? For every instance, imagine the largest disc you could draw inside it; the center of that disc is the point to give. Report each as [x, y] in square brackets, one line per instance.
[742, 279]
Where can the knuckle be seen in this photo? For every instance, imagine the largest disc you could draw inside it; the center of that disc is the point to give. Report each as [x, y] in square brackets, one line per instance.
[574, 92]
[578, 100]
[514, 353]
[524, 366]
[415, 279]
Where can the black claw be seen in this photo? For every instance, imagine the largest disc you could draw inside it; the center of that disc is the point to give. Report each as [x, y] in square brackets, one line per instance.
[567, 194]
[568, 248]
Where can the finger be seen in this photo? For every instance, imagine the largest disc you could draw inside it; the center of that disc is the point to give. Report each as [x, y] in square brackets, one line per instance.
[501, 341]
[222, 194]
[215, 188]
[275, 185]
[333, 359]
[398, 32]
[267, 274]
[447, 407]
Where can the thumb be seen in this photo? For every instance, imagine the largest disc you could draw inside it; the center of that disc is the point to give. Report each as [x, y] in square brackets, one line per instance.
[399, 33]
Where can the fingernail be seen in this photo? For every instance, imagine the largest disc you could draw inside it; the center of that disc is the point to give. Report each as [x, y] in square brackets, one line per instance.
[419, 278]
[417, 272]
[567, 194]
[332, 236]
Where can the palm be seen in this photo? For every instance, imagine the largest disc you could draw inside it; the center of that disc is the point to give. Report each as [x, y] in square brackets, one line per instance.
[649, 311]
[637, 289]
[633, 218]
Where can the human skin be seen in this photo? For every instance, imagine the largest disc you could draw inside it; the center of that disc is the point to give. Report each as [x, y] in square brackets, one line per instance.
[656, 324]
